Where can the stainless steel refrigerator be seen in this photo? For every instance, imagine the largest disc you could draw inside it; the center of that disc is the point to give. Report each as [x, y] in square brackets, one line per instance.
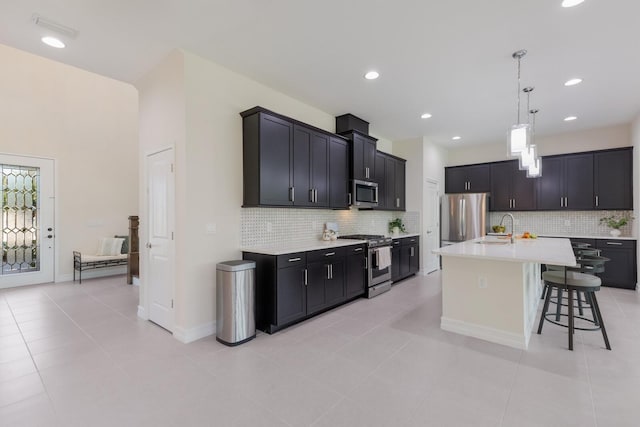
[463, 217]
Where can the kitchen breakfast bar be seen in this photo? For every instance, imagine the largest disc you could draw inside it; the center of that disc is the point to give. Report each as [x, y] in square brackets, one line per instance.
[491, 287]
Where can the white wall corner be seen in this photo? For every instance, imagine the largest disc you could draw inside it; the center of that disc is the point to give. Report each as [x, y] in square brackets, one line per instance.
[192, 334]
[142, 313]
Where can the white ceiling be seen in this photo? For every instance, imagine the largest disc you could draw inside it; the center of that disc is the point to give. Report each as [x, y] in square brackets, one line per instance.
[449, 58]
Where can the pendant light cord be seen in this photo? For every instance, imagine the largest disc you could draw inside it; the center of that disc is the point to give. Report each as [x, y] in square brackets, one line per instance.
[518, 119]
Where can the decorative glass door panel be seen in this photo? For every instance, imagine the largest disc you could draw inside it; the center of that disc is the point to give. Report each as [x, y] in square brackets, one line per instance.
[27, 208]
[20, 211]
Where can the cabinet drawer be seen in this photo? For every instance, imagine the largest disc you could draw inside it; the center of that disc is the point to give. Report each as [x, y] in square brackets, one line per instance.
[328, 254]
[289, 260]
[359, 249]
[409, 240]
[615, 244]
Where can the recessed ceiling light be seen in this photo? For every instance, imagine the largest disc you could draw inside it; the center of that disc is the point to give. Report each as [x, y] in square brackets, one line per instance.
[425, 116]
[571, 3]
[372, 75]
[573, 82]
[53, 42]
[570, 118]
[455, 138]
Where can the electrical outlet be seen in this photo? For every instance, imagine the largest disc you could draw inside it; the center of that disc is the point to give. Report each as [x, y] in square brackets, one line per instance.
[269, 227]
[482, 283]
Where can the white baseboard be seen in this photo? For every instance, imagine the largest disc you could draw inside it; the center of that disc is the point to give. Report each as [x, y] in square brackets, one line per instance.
[485, 333]
[192, 334]
[136, 281]
[142, 313]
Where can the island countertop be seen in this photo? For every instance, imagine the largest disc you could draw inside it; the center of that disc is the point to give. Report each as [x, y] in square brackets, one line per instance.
[555, 251]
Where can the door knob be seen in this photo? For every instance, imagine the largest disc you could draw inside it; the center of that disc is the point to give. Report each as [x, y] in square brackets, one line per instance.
[50, 236]
[49, 229]
[148, 245]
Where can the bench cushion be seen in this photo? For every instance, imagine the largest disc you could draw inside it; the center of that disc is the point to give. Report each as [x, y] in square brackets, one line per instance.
[95, 258]
[110, 246]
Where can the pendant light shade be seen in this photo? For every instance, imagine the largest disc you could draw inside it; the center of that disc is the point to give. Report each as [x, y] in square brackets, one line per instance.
[535, 170]
[528, 157]
[519, 133]
[534, 163]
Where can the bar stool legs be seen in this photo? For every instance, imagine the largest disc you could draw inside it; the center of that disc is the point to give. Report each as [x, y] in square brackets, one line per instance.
[600, 323]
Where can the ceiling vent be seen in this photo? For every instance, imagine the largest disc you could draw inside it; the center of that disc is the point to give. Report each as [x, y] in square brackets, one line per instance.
[54, 26]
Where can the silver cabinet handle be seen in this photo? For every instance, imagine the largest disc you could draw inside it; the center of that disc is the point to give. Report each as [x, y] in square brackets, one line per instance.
[566, 202]
[397, 202]
[357, 250]
[562, 202]
[349, 194]
[328, 271]
[514, 203]
[315, 192]
[597, 201]
[311, 195]
[292, 194]
[366, 263]
[306, 283]
[330, 254]
[331, 270]
[614, 243]
[412, 253]
[294, 259]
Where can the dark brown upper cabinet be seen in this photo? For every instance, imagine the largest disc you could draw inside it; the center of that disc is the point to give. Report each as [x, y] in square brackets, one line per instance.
[612, 181]
[511, 190]
[468, 179]
[566, 182]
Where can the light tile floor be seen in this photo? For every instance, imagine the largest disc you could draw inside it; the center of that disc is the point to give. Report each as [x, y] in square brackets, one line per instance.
[77, 355]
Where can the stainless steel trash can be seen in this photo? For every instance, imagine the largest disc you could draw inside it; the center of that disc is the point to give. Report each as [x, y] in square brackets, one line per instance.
[235, 296]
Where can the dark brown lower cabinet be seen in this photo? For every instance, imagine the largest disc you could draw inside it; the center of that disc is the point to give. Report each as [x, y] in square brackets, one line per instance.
[405, 257]
[356, 271]
[621, 269]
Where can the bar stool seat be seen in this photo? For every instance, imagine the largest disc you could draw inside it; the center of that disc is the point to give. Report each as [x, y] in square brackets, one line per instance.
[579, 280]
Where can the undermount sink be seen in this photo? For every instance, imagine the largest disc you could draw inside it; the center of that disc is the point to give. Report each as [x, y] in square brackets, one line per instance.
[493, 242]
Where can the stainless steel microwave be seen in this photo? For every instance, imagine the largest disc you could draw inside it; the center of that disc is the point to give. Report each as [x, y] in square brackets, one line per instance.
[364, 194]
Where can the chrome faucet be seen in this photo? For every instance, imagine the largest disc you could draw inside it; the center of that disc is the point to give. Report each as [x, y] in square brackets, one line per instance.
[513, 240]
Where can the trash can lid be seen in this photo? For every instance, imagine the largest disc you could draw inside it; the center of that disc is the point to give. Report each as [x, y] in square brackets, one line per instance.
[236, 265]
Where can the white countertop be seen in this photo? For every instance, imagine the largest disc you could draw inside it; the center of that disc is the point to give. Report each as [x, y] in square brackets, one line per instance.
[401, 235]
[541, 250]
[579, 236]
[311, 245]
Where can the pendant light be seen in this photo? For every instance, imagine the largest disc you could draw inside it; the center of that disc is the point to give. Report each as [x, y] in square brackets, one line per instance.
[535, 169]
[528, 155]
[519, 133]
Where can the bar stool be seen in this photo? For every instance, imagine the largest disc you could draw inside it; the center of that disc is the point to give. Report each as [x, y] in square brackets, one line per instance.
[576, 279]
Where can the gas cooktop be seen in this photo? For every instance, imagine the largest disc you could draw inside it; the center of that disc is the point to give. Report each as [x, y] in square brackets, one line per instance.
[362, 236]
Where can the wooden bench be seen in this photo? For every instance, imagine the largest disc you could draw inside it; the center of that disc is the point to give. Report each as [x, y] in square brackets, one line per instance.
[92, 262]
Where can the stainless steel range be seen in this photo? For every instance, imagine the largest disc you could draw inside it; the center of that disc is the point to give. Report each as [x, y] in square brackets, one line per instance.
[378, 262]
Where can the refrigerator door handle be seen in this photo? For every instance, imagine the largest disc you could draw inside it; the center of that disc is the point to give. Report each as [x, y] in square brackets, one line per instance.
[463, 222]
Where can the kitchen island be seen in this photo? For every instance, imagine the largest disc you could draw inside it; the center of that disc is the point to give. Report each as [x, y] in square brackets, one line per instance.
[491, 287]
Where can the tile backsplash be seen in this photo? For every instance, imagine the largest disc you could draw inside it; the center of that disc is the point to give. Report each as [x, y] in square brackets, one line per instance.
[272, 226]
[578, 223]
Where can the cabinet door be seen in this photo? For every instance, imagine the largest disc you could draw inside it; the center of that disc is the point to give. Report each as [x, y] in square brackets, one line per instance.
[523, 190]
[290, 295]
[414, 258]
[501, 186]
[381, 179]
[320, 168]
[401, 203]
[338, 173]
[390, 183]
[620, 270]
[455, 180]
[612, 179]
[355, 272]
[479, 178]
[318, 273]
[335, 291]
[370, 158]
[405, 260]
[395, 261]
[276, 161]
[579, 181]
[358, 157]
[550, 184]
[302, 137]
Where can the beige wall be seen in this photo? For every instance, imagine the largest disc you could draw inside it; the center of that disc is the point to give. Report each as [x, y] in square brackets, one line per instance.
[86, 123]
[570, 142]
[196, 104]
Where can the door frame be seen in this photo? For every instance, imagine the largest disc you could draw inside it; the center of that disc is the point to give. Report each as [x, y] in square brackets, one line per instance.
[54, 208]
[144, 307]
[425, 252]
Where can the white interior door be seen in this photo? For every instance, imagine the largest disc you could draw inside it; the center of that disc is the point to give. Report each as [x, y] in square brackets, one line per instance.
[432, 225]
[28, 242]
[160, 277]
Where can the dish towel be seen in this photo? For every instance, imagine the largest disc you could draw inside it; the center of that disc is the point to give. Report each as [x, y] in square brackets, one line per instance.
[384, 257]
